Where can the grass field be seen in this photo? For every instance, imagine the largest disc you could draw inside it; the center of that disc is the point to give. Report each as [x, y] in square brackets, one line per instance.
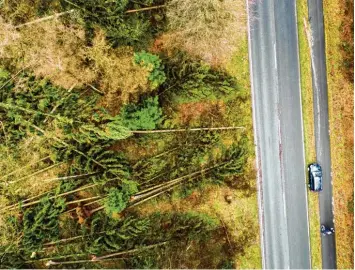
[340, 90]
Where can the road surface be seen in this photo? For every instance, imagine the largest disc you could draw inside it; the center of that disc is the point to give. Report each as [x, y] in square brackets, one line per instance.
[321, 126]
[278, 132]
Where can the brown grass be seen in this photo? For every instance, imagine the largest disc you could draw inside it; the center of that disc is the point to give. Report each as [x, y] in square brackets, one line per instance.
[193, 112]
[341, 108]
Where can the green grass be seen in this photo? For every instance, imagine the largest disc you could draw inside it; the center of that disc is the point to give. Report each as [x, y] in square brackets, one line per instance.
[239, 68]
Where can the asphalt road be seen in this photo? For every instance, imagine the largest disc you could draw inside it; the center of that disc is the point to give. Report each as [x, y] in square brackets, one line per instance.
[321, 126]
[278, 133]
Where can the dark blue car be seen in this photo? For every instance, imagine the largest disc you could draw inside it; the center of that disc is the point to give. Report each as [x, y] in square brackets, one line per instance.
[315, 177]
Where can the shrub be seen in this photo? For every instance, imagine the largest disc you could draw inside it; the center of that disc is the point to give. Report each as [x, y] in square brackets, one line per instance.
[117, 199]
[144, 116]
[153, 64]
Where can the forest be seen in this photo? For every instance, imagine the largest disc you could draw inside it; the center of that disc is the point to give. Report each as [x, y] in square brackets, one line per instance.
[125, 135]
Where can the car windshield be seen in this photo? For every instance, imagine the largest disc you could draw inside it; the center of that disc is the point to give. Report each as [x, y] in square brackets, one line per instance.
[317, 183]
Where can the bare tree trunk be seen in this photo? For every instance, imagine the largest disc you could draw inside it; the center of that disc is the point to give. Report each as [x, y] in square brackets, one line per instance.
[57, 15]
[72, 177]
[28, 165]
[37, 172]
[183, 130]
[144, 9]
[53, 197]
[101, 258]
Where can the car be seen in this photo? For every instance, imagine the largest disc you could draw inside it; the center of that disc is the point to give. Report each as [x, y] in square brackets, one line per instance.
[315, 177]
[326, 231]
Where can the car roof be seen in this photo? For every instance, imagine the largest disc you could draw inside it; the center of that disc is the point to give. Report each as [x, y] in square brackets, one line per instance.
[316, 165]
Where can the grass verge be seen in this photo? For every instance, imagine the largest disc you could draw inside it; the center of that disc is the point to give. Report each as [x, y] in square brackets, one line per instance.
[340, 94]
[339, 45]
[308, 125]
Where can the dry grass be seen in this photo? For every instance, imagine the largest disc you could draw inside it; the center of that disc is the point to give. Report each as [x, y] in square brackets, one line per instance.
[207, 29]
[341, 115]
[50, 49]
[25, 163]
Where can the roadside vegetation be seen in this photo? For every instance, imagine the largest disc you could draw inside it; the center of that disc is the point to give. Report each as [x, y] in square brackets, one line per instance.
[339, 34]
[338, 19]
[308, 126]
[121, 145]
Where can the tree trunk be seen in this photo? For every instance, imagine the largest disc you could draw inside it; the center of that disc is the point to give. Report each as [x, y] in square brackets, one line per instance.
[183, 130]
[57, 15]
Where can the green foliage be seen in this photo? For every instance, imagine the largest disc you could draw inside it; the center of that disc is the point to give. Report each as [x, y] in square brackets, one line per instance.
[154, 65]
[86, 130]
[12, 258]
[227, 264]
[4, 75]
[189, 80]
[41, 223]
[119, 234]
[133, 29]
[232, 162]
[145, 116]
[118, 199]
